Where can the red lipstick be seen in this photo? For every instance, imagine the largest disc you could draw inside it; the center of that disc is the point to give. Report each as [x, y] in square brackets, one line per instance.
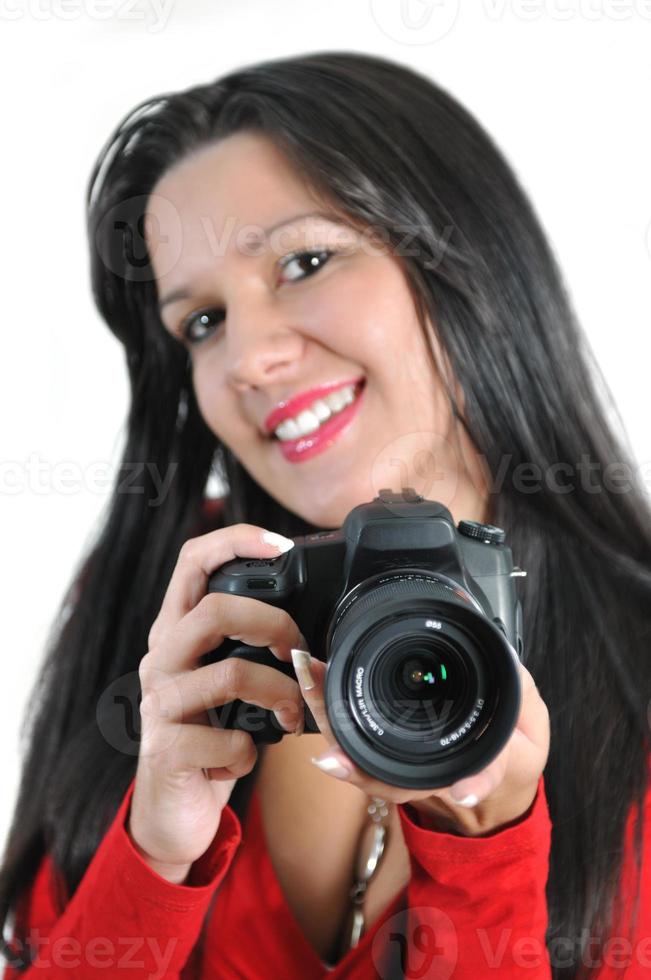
[293, 406]
[305, 447]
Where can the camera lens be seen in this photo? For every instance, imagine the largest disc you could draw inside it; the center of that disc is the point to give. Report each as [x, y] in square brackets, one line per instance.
[423, 675]
[422, 685]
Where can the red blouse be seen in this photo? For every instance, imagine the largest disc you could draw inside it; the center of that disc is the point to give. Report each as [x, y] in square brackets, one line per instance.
[476, 907]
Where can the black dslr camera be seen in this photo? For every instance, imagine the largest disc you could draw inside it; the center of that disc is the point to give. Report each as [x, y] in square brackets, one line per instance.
[420, 628]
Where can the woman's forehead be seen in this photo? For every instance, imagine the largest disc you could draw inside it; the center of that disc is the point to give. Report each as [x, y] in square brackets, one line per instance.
[243, 175]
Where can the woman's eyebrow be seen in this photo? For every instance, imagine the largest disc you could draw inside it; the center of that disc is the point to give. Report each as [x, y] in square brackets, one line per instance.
[183, 292]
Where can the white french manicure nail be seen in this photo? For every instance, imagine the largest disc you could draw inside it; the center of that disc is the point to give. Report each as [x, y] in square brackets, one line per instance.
[469, 801]
[331, 765]
[277, 540]
[301, 660]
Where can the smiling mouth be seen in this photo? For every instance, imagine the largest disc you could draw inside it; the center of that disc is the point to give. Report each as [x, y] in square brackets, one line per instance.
[324, 436]
[314, 421]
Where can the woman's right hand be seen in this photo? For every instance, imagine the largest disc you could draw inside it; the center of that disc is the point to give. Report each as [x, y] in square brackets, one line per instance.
[175, 809]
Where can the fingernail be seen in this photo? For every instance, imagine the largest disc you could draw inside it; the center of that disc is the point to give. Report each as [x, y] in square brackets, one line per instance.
[461, 799]
[286, 726]
[301, 660]
[331, 765]
[277, 540]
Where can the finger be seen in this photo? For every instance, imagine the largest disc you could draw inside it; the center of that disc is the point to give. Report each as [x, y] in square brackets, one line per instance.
[310, 674]
[219, 615]
[216, 684]
[194, 747]
[467, 792]
[523, 755]
[198, 559]
[533, 719]
[335, 762]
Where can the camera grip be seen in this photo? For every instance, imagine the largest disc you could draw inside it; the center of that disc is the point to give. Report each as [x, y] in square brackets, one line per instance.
[260, 723]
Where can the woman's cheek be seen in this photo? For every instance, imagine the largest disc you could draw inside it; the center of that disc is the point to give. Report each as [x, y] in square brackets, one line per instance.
[209, 397]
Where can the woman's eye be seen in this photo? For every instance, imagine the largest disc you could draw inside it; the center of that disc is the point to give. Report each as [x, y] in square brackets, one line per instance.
[202, 318]
[313, 261]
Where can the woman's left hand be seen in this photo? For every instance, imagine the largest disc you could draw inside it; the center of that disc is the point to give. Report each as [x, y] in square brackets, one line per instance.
[478, 804]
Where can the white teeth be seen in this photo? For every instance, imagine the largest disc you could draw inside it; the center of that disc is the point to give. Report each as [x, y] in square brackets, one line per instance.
[290, 429]
[320, 410]
[337, 400]
[307, 422]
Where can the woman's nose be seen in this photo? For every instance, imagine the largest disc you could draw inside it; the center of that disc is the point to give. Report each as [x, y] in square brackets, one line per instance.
[261, 354]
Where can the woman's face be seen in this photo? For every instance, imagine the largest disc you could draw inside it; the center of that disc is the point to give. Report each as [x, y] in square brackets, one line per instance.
[267, 323]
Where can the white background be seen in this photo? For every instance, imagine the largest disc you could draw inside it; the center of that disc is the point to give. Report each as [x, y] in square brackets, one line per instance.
[562, 85]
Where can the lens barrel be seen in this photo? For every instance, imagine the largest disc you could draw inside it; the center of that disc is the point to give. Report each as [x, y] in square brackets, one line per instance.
[422, 688]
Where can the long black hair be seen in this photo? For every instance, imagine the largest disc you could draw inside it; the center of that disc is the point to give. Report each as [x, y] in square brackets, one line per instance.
[390, 149]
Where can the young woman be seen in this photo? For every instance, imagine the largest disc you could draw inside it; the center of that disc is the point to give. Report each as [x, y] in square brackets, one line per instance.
[333, 221]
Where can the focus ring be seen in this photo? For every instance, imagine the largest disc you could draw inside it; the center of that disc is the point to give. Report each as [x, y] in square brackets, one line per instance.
[412, 588]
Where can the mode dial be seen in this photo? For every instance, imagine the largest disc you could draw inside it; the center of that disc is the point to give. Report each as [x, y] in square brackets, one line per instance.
[487, 533]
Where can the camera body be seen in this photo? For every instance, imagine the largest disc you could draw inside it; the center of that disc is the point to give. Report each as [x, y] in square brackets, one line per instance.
[420, 628]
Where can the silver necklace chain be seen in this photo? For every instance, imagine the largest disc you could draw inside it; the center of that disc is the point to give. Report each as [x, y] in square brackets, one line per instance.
[370, 850]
